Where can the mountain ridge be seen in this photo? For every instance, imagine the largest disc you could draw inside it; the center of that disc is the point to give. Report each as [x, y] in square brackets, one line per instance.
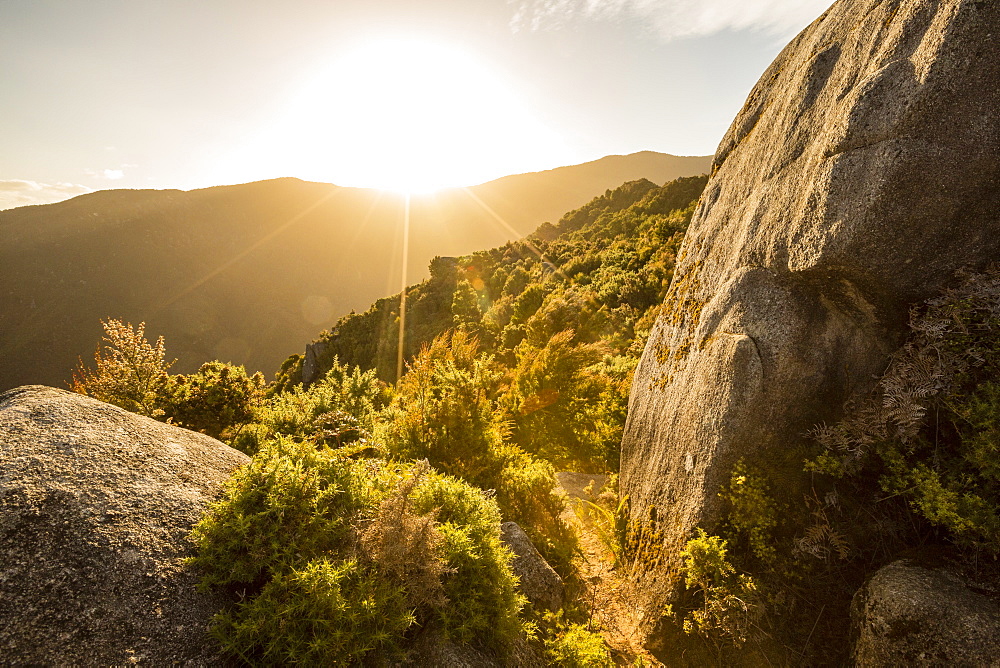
[229, 271]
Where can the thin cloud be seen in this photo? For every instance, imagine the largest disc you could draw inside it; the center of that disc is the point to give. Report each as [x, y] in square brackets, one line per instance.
[672, 19]
[18, 192]
[107, 174]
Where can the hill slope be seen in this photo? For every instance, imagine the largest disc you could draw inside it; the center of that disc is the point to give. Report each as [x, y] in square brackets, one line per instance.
[247, 273]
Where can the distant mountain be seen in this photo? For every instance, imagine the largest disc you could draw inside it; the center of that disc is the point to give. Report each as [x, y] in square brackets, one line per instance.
[248, 273]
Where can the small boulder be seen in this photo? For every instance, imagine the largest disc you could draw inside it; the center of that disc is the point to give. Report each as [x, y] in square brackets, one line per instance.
[912, 614]
[96, 505]
[539, 582]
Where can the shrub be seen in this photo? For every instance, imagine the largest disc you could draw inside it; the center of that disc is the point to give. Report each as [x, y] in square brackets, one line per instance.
[929, 431]
[577, 647]
[727, 599]
[443, 413]
[322, 613]
[559, 405]
[215, 400]
[344, 399]
[753, 513]
[128, 371]
[333, 558]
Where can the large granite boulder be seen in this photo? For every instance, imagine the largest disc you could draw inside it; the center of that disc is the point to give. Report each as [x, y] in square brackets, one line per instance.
[918, 614]
[96, 504]
[859, 176]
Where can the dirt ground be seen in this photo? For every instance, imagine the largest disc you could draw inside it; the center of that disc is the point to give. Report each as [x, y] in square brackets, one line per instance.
[618, 606]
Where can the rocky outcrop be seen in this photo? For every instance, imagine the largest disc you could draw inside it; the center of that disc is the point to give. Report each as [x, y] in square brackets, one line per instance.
[860, 174]
[311, 365]
[911, 614]
[539, 583]
[96, 505]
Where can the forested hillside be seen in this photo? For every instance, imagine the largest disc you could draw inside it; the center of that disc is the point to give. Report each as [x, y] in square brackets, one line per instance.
[564, 314]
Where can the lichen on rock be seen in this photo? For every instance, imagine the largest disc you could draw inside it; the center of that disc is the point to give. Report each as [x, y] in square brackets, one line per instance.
[863, 171]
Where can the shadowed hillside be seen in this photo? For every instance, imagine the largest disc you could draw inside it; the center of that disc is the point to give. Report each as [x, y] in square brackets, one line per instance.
[246, 273]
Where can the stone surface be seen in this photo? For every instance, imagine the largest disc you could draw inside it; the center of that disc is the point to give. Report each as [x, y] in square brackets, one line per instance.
[538, 581]
[96, 504]
[859, 176]
[432, 650]
[311, 362]
[908, 614]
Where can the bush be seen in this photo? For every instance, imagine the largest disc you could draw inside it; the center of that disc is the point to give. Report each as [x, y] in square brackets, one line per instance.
[929, 432]
[335, 558]
[576, 647]
[727, 598]
[561, 408]
[128, 371]
[337, 410]
[322, 613]
[215, 400]
[443, 413]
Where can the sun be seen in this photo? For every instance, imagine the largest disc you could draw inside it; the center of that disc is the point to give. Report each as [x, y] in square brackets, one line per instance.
[405, 114]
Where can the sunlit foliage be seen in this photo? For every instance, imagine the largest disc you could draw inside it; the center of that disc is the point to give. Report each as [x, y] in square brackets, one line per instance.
[217, 400]
[342, 560]
[128, 370]
[560, 319]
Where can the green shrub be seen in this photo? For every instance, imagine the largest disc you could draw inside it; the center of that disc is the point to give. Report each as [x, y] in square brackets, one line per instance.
[333, 557]
[344, 399]
[752, 513]
[577, 647]
[727, 606]
[217, 399]
[292, 502]
[930, 432]
[322, 613]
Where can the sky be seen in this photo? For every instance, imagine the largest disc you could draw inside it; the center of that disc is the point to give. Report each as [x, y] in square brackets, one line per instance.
[404, 94]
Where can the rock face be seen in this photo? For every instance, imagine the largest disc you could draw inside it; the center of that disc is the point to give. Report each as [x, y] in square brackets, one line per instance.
[310, 363]
[910, 615]
[861, 173]
[95, 507]
[539, 582]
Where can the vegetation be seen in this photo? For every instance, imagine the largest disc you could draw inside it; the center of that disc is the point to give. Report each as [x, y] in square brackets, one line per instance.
[561, 316]
[219, 399]
[369, 513]
[929, 435]
[576, 646]
[337, 558]
[912, 466]
[128, 371]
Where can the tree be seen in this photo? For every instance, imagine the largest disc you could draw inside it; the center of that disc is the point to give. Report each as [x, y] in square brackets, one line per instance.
[128, 371]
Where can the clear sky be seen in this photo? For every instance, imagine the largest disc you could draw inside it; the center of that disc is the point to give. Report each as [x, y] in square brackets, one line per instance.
[382, 93]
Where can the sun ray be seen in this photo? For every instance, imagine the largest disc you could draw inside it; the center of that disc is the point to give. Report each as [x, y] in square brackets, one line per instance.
[177, 296]
[402, 292]
[514, 233]
[346, 257]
